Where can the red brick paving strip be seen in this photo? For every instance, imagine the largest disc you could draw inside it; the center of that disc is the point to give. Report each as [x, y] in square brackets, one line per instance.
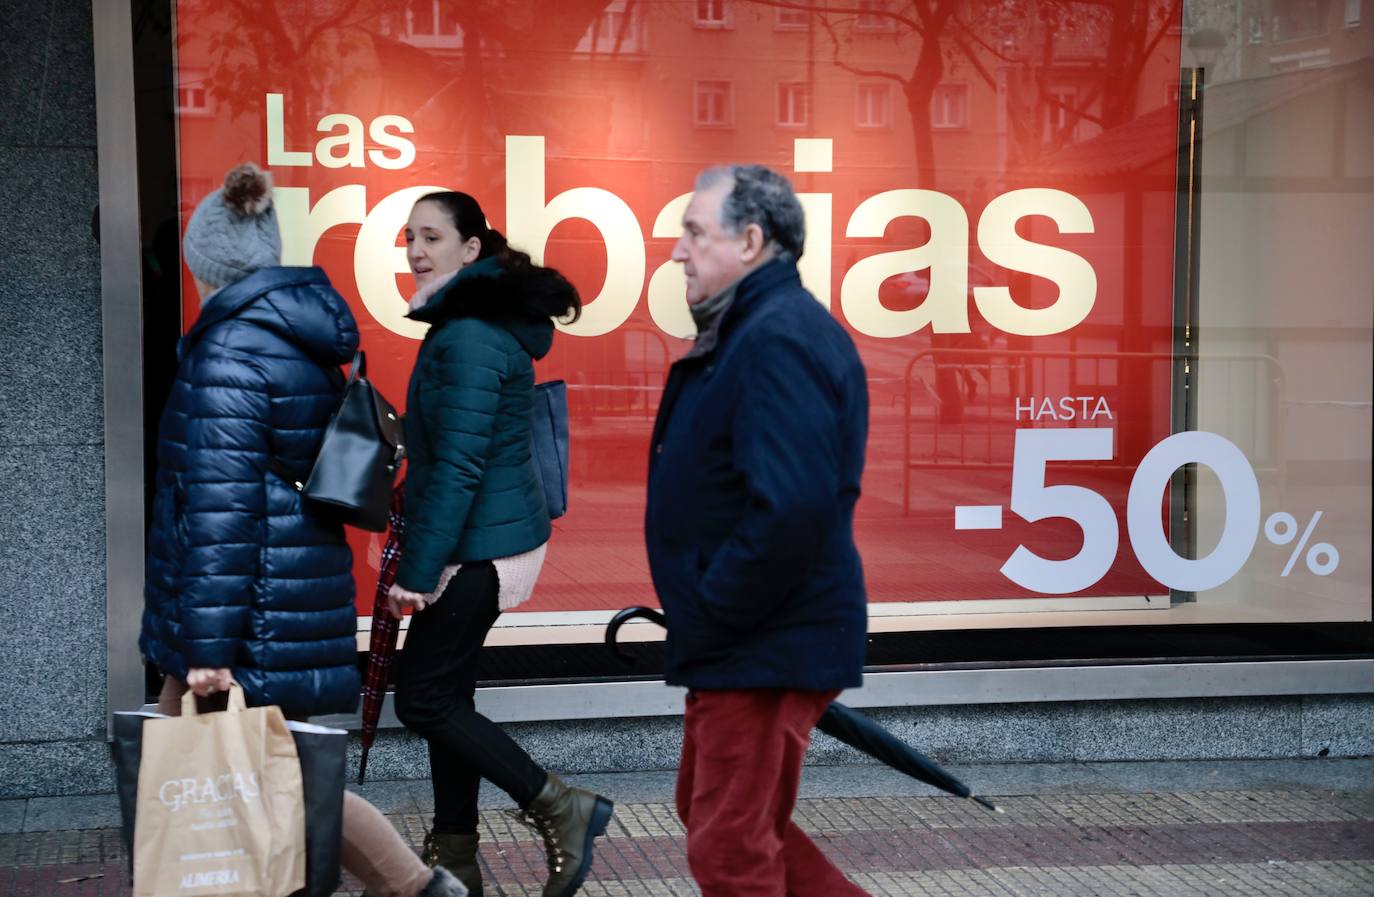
[1231, 843]
[929, 850]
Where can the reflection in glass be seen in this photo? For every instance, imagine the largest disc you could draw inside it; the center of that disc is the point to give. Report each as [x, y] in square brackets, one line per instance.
[992, 199]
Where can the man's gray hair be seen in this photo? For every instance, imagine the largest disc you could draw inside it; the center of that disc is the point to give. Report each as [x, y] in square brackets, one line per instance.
[760, 196]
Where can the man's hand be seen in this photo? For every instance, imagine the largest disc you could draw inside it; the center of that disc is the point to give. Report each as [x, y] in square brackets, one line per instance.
[205, 681]
[397, 599]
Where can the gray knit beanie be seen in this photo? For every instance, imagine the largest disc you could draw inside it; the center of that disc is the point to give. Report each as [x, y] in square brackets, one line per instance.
[234, 230]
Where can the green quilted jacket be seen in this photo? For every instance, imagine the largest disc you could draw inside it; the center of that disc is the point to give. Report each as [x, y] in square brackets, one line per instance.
[471, 489]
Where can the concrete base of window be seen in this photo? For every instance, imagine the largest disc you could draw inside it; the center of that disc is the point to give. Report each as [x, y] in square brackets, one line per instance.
[1041, 732]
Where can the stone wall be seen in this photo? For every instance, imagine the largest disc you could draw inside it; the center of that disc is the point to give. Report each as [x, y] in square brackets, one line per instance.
[52, 525]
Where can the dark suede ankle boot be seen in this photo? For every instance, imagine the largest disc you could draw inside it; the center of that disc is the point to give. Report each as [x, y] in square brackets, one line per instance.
[457, 854]
[568, 820]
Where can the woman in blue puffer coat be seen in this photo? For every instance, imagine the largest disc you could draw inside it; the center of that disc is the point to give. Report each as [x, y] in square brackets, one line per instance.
[243, 582]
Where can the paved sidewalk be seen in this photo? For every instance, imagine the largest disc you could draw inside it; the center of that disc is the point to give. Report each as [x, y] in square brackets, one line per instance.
[1168, 829]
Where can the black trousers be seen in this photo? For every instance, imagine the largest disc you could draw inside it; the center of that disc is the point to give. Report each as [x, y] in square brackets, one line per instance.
[436, 680]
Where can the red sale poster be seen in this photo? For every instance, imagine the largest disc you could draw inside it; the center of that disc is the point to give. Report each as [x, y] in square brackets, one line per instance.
[990, 196]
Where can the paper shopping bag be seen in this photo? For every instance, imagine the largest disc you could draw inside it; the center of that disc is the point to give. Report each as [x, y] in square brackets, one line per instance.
[220, 806]
[323, 754]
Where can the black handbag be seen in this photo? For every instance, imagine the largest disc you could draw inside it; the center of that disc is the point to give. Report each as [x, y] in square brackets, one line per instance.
[550, 444]
[353, 474]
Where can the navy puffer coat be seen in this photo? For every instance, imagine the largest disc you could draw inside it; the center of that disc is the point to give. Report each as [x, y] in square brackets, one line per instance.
[238, 575]
[758, 453]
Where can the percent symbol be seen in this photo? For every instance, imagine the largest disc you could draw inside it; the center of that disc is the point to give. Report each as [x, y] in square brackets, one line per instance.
[1322, 558]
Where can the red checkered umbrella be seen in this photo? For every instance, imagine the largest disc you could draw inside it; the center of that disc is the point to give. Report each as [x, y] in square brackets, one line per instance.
[381, 648]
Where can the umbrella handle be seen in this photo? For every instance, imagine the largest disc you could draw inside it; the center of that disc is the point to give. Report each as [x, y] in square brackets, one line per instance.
[624, 616]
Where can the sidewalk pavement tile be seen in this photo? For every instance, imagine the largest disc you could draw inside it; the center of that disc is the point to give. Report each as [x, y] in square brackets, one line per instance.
[1072, 831]
[11, 816]
[53, 814]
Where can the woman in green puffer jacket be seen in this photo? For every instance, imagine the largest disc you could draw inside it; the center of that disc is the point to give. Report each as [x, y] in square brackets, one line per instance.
[476, 526]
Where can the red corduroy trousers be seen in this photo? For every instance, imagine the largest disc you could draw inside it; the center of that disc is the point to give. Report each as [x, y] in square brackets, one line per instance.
[741, 765]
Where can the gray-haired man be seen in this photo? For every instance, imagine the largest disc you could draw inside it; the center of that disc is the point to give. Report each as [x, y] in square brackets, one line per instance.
[756, 459]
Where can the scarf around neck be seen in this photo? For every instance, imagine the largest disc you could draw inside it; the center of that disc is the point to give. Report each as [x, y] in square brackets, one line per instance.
[707, 315]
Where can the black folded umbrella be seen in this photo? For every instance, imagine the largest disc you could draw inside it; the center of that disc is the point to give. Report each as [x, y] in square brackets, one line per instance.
[843, 723]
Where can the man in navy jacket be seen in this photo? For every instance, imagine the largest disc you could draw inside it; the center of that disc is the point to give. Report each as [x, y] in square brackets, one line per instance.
[754, 470]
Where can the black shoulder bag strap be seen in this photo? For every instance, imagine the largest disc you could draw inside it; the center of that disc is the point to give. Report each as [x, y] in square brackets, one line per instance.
[357, 369]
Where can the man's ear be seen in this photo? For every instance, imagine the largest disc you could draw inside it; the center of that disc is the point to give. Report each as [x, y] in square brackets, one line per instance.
[754, 244]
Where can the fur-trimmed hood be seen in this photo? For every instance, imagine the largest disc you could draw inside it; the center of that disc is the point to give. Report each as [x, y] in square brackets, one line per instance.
[486, 289]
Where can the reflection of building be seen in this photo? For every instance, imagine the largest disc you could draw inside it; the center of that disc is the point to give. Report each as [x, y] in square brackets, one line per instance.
[1288, 35]
[1264, 37]
[742, 79]
[730, 79]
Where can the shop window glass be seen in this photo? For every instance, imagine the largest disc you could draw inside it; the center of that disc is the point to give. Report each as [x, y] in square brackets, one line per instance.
[1283, 318]
[793, 19]
[982, 264]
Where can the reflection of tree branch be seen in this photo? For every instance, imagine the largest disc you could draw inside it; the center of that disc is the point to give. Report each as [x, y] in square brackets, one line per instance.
[328, 22]
[1170, 16]
[844, 66]
[855, 11]
[973, 60]
[624, 31]
[971, 33]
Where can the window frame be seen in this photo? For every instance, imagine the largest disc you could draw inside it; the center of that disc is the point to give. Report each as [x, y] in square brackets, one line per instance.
[780, 25]
[729, 105]
[859, 105]
[806, 100]
[881, 25]
[201, 83]
[1323, 29]
[724, 23]
[967, 91]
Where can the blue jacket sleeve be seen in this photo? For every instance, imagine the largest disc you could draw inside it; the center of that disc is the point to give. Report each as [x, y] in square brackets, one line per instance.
[228, 439]
[465, 402]
[787, 453]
